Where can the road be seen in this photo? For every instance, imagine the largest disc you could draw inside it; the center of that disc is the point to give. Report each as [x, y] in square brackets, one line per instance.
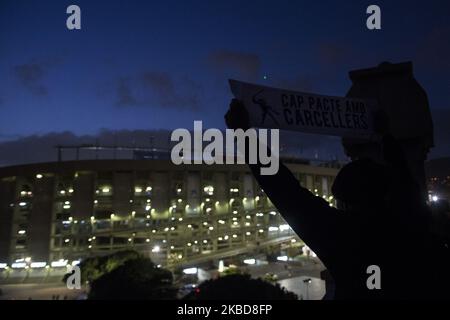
[38, 292]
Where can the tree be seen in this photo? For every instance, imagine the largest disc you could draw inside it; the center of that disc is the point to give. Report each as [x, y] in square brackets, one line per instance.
[136, 279]
[240, 287]
[94, 267]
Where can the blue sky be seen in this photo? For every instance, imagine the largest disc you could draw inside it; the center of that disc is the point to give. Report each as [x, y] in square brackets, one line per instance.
[163, 64]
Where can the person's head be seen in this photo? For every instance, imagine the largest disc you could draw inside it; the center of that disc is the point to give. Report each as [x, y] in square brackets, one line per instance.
[362, 185]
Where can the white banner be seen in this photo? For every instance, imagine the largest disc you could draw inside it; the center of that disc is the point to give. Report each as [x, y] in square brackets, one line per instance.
[311, 113]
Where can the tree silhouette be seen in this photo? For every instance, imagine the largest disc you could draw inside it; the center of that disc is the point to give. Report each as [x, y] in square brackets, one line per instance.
[136, 279]
[240, 287]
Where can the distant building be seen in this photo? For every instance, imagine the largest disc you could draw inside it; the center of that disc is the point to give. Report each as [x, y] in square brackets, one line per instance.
[438, 179]
[52, 214]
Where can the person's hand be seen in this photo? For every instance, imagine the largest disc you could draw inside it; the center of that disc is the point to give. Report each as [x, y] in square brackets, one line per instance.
[237, 116]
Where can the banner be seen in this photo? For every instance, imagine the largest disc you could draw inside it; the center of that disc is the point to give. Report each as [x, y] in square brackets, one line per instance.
[305, 112]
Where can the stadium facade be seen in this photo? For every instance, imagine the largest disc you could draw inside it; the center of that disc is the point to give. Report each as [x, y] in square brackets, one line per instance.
[54, 214]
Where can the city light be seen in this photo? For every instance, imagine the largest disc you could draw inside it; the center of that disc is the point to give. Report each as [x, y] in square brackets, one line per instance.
[39, 176]
[18, 265]
[38, 264]
[59, 263]
[156, 249]
[190, 271]
[282, 258]
[221, 266]
[209, 190]
[249, 261]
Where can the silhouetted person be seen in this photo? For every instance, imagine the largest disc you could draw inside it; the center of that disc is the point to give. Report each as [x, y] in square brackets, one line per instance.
[381, 220]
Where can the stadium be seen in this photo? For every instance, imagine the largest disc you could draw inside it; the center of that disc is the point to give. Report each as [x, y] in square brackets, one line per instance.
[58, 213]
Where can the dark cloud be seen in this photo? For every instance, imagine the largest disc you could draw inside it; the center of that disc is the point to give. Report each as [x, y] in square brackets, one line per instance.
[245, 64]
[170, 94]
[151, 88]
[41, 148]
[124, 93]
[31, 75]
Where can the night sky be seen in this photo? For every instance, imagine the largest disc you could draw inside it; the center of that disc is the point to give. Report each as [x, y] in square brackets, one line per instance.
[139, 65]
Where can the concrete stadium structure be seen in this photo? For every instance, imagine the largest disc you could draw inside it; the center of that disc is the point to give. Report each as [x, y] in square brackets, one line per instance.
[54, 214]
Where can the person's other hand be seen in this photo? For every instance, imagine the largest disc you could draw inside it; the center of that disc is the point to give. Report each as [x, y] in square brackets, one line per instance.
[237, 116]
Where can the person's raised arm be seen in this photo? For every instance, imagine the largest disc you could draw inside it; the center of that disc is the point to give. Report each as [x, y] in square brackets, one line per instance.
[310, 217]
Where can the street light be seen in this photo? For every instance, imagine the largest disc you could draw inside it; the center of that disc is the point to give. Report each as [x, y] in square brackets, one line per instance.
[307, 281]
